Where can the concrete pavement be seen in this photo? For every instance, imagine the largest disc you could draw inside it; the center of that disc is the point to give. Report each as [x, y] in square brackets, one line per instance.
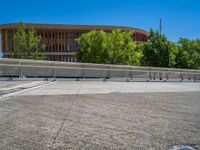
[102, 115]
[94, 87]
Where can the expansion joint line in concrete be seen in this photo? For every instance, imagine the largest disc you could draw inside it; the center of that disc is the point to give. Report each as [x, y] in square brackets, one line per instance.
[66, 116]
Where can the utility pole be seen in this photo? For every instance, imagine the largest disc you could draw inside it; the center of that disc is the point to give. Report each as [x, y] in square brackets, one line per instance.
[160, 28]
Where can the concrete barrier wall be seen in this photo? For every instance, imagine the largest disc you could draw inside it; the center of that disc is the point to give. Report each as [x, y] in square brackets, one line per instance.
[33, 68]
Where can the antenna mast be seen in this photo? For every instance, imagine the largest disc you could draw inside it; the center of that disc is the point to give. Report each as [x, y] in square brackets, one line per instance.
[160, 29]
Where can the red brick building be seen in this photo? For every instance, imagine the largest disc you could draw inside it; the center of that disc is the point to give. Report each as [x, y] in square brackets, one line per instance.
[59, 39]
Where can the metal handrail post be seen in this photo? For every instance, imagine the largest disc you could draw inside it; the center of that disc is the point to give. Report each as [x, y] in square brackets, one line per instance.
[194, 77]
[131, 73]
[21, 69]
[83, 71]
[160, 76]
[167, 76]
[108, 72]
[154, 76]
[54, 77]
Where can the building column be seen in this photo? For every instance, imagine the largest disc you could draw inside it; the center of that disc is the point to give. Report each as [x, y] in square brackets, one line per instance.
[6, 41]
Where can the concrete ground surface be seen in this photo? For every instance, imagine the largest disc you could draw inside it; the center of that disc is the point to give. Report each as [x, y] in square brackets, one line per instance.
[100, 115]
[92, 87]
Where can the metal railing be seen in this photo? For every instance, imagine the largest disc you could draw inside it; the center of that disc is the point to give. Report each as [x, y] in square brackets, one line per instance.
[49, 69]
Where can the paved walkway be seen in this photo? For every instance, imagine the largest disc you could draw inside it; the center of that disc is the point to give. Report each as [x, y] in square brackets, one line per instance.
[71, 87]
[100, 115]
[141, 121]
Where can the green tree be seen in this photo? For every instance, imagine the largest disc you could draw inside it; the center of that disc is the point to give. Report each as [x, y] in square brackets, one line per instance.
[158, 51]
[27, 45]
[122, 48]
[115, 48]
[93, 47]
[189, 54]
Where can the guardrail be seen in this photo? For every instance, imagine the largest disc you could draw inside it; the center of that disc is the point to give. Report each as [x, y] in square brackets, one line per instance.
[50, 69]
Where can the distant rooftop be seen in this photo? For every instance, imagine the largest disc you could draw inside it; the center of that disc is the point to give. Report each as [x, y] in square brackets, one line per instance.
[71, 27]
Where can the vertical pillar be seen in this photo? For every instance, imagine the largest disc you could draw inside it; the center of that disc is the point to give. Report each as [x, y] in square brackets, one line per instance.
[10, 40]
[72, 58]
[50, 41]
[150, 78]
[72, 41]
[62, 35]
[3, 40]
[54, 44]
[60, 41]
[160, 76]
[154, 76]
[167, 76]
[68, 41]
[58, 48]
[6, 41]
[43, 35]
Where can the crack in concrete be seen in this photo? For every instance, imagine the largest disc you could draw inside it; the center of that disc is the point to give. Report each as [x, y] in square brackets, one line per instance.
[66, 116]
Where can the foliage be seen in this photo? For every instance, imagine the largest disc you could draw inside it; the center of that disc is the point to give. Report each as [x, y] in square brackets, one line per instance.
[119, 48]
[93, 47]
[158, 51]
[122, 49]
[189, 53]
[115, 48]
[27, 45]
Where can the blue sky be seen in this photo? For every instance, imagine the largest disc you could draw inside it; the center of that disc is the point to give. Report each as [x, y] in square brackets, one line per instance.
[181, 18]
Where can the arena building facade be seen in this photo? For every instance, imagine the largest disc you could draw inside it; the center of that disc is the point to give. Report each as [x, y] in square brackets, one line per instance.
[60, 40]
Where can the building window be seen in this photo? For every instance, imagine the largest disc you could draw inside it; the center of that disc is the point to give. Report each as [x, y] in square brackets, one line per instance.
[70, 49]
[8, 34]
[78, 46]
[63, 47]
[60, 47]
[66, 46]
[75, 46]
[68, 58]
[60, 35]
[53, 35]
[75, 41]
[8, 47]
[70, 35]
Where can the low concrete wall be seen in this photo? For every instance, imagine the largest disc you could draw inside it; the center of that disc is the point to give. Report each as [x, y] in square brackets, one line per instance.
[33, 68]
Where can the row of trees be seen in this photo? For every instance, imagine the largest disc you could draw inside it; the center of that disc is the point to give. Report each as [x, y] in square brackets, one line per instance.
[113, 48]
[116, 47]
[119, 48]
